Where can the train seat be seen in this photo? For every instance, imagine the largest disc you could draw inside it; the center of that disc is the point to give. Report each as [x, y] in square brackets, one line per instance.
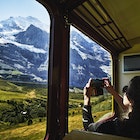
[85, 135]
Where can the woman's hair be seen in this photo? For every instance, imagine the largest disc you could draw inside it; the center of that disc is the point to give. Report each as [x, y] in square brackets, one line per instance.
[133, 91]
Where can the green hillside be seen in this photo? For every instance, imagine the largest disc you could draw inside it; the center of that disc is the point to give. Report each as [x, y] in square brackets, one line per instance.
[23, 110]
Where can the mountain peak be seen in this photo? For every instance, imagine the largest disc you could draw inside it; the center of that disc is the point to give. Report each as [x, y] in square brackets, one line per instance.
[33, 36]
[24, 47]
[23, 23]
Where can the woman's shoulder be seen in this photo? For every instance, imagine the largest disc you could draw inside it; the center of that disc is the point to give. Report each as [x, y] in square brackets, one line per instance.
[114, 126]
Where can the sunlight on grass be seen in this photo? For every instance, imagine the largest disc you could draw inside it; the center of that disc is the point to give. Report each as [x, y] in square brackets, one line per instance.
[14, 99]
[75, 122]
[4, 95]
[25, 132]
[31, 94]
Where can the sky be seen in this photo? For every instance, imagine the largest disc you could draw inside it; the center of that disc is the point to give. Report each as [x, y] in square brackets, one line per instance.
[23, 8]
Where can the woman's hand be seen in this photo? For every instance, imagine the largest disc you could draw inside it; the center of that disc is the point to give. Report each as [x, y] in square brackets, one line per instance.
[88, 91]
[108, 86]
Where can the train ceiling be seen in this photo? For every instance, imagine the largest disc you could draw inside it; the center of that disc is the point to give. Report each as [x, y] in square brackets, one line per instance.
[114, 24]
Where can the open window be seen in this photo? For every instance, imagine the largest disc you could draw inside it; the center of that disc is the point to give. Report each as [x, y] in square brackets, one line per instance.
[24, 45]
[87, 60]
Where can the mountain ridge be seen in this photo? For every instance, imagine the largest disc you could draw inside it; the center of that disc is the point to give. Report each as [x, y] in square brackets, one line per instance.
[28, 57]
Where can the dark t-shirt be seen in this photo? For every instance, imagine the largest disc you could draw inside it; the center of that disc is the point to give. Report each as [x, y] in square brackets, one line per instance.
[126, 127]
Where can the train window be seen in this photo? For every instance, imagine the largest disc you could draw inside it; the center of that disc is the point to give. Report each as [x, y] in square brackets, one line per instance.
[24, 27]
[87, 60]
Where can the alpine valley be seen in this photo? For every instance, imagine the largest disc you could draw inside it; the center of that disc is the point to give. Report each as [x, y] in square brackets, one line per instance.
[24, 51]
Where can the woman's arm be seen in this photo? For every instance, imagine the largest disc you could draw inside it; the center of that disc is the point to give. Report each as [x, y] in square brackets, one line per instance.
[87, 92]
[87, 114]
[118, 98]
[88, 121]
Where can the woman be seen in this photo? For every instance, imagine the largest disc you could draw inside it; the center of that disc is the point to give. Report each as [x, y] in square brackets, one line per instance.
[128, 127]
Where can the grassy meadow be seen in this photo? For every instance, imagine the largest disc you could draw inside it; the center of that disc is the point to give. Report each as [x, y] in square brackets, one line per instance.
[23, 111]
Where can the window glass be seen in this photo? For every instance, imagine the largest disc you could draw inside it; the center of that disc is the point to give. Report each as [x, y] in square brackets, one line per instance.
[24, 42]
[87, 60]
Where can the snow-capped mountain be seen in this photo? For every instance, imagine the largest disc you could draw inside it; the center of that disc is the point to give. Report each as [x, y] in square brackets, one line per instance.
[20, 24]
[24, 44]
[23, 47]
[88, 59]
